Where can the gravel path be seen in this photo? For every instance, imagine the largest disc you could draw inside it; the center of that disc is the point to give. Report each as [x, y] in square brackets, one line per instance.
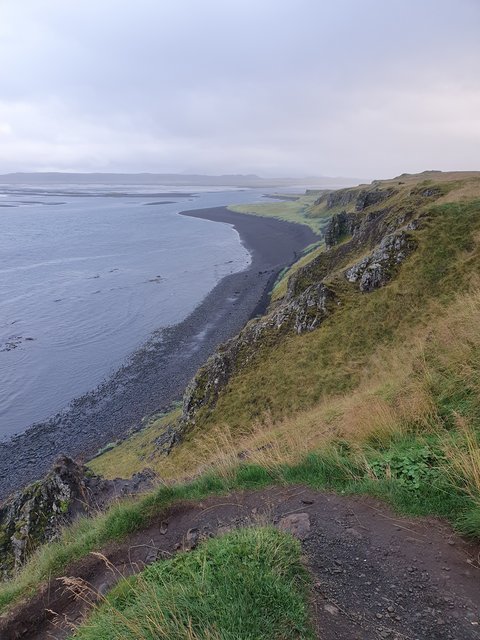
[375, 575]
[157, 374]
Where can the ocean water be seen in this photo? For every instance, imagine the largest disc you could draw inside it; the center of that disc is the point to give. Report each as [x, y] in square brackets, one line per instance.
[88, 273]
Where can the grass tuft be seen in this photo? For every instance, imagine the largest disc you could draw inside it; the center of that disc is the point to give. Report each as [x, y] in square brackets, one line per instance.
[248, 584]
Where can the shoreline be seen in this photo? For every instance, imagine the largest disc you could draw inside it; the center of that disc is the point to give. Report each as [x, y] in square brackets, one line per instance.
[156, 374]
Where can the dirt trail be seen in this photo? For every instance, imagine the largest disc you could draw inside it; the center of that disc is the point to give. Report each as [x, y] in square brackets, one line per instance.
[376, 575]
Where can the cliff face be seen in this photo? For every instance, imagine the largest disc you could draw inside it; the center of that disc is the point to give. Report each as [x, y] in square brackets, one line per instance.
[365, 247]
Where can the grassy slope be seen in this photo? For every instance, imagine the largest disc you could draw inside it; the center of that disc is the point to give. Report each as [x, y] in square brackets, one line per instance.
[383, 399]
[302, 369]
[290, 211]
[135, 453]
[249, 584]
[280, 287]
[347, 377]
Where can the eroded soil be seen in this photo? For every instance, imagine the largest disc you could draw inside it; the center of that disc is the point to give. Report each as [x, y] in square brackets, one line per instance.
[375, 575]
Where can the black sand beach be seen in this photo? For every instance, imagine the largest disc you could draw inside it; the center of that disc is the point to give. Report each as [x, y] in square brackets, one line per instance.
[156, 375]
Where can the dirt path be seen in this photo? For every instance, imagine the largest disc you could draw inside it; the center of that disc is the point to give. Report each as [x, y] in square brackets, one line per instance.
[375, 575]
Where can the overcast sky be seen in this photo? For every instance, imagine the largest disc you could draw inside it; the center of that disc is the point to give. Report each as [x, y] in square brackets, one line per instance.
[362, 88]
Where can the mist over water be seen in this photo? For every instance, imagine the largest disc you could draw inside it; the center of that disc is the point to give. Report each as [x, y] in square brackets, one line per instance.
[87, 274]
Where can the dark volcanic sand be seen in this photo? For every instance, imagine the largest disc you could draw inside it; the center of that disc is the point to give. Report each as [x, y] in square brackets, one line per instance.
[158, 373]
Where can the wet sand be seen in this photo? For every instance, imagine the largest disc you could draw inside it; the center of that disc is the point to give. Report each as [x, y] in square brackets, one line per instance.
[157, 374]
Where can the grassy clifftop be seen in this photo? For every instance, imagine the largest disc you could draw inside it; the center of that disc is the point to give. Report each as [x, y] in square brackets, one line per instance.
[387, 369]
[369, 339]
[364, 376]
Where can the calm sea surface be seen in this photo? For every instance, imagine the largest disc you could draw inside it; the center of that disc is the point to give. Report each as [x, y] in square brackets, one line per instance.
[86, 274]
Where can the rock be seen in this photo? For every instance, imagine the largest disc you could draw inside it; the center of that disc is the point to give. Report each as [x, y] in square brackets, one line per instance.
[37, 513]
[170, 437]
[329, 608]
[354, 533]
[340, 225]
[152, 556]
[376, 269]
[298, 524]
[163, 527]
[368, 198]
[191, 539]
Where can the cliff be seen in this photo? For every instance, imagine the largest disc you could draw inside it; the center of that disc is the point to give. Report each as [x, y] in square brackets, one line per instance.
[366, 243]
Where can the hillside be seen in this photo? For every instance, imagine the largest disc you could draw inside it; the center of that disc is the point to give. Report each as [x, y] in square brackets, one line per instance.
[362, 378]
[352, 348]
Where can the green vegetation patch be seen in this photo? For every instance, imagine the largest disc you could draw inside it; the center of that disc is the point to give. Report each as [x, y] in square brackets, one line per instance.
[248, 585]
[310, 253]
[413, 473]
[288, 210]
[137, 452]
[301, 370]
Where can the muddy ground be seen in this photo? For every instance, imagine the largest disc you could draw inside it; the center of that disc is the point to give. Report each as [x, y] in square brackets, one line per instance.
[375, 575]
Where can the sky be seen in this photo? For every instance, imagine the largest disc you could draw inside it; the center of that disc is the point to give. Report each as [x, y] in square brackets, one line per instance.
[356, 88]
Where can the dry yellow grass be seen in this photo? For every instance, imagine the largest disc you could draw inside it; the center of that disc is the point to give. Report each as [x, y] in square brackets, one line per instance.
[462, 451]
[395, 396]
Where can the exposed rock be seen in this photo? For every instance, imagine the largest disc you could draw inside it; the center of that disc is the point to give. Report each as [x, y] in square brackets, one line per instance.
[376, 269]
[338, 198]
[37, 513]
[345, 224]
[361, 198]
[298, 524]
[298, 314]
[168, 439]
[368, 198]
[191, 539]
[340, 225]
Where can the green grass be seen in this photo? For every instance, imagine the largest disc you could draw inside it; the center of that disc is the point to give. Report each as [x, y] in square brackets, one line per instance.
[409, 485]
[247, 585]
[301, 370]
[135, 452]
[290, 211]
[280, 287]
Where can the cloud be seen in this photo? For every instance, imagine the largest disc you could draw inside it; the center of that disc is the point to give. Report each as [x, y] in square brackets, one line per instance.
[350, 87]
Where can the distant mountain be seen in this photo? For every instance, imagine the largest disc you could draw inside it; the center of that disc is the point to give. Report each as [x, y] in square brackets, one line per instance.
[173, 179]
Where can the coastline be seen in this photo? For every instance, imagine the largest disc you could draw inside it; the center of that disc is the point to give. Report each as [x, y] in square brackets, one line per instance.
[157, 374]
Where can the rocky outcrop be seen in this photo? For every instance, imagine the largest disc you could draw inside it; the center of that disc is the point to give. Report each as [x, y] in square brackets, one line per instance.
[298, 314]
[340, 198]
[368, 197]
[383, 231]
[37, 513]
[378, 268]
[340, 225]
[359, 198]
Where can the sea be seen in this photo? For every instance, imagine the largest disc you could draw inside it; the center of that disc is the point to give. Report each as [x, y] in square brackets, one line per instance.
[88, 272]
